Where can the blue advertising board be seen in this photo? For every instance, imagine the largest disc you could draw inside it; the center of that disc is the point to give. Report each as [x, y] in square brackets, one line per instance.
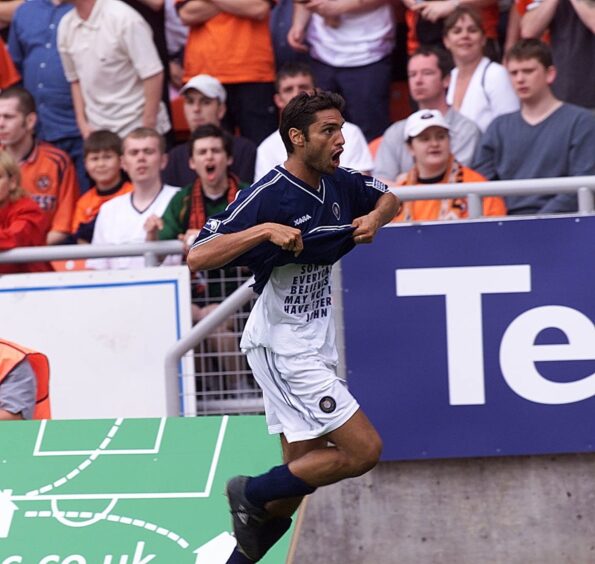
[475, 338]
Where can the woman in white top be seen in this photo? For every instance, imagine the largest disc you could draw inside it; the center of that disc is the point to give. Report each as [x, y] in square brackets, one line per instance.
[480, 89]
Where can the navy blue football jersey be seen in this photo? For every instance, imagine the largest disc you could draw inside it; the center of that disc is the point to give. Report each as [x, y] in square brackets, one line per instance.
[324, 217]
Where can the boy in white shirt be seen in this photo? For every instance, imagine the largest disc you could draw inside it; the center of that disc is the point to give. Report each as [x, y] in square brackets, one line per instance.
[122, 219]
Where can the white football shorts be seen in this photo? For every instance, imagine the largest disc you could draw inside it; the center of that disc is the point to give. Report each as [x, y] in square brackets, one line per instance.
[303, 396]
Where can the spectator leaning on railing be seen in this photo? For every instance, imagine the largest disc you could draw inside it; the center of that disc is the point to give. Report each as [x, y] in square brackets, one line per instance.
[546, 138]
[427, 137]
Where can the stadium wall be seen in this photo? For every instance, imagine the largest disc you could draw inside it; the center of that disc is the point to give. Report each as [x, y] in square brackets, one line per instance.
[509, 510]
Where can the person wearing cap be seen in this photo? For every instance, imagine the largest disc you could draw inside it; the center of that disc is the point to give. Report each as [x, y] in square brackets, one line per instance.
[427, 137]
[205, 103]
[428, 75]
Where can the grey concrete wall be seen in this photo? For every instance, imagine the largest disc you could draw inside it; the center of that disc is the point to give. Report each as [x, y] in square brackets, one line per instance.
[518, 510]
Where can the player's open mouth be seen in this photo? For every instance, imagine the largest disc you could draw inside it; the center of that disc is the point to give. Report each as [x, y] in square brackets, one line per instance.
[336, 157]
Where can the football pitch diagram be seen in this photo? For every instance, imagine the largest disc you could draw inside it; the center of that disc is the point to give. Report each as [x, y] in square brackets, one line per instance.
[126, 491]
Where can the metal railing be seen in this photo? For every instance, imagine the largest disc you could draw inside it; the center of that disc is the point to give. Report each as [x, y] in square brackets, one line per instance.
[150, 250]
[582, 186]
[228, 307]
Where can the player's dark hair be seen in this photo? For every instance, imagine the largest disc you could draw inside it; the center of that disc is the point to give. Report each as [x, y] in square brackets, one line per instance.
[526, 49]
[460, 11]
[26, 102]
[301, 111]
[445, 62]
[143, 133]
[102, 140]
[291, 69]
[211, 130]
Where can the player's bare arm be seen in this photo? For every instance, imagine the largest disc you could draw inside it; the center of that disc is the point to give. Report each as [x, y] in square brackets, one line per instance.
[221, 250]
[366, 226]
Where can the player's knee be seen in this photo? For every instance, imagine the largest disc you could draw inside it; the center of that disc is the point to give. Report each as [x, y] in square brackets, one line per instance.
[367, 457]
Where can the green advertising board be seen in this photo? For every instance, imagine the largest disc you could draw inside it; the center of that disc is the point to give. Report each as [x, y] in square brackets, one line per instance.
[126, 491]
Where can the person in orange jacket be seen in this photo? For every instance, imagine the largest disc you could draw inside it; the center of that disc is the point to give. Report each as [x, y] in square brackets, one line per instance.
[427, 137]
[24, 383]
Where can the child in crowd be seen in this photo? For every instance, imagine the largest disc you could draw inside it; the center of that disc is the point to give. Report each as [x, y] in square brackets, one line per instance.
[102, 153]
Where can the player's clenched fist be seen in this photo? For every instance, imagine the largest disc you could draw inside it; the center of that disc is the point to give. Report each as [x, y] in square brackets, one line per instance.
[286, 237]
[366, 227]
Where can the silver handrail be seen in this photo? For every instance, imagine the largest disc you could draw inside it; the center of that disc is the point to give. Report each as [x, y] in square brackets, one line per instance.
[197, 334]
[150, 250]
[583, 186]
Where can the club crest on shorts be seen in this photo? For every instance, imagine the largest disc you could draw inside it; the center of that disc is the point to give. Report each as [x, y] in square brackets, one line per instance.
[336, 210]
[327, 404]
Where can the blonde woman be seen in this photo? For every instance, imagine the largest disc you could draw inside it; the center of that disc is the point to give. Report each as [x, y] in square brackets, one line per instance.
[479, 89]
[22, 223]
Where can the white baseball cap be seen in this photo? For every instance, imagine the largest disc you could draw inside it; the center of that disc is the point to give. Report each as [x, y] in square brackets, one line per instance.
[208, 85]
[420, 121]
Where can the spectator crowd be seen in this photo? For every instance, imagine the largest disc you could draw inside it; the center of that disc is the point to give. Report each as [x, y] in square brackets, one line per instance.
[133, 120]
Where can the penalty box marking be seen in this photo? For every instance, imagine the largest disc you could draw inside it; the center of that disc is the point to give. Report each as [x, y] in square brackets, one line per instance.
[145, 495]
[41, 432]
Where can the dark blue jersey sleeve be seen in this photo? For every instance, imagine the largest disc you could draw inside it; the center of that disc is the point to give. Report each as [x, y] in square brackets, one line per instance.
[365, 191]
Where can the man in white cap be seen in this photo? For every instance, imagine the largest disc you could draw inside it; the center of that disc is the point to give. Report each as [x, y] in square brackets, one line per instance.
[426, 135]
[204, 103]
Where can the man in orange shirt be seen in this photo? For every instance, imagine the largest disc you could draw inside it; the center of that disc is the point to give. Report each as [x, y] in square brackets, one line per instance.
[427, 137]
[47, 173]
[231, 41]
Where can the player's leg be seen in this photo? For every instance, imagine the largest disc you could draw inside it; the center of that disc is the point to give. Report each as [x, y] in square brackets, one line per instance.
[355, 449]
[307, 402]
[313, 407]
[293, 451]
[279, 511]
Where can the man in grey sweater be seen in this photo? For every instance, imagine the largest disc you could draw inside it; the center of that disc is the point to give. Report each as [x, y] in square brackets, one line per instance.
[547, 138]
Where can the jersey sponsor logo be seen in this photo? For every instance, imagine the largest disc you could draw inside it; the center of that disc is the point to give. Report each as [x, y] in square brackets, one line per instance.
[301, 220]
[43, 183]
[336, 210]
[327, 404]
[212, 225]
